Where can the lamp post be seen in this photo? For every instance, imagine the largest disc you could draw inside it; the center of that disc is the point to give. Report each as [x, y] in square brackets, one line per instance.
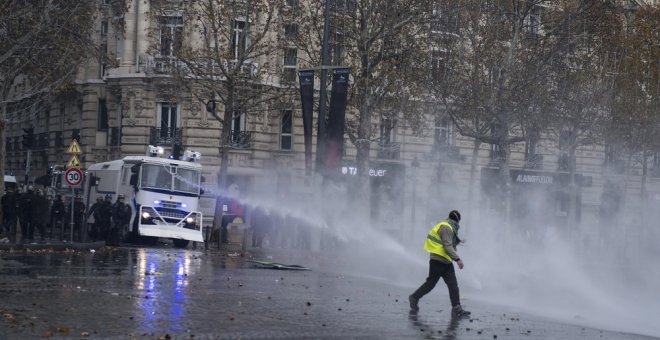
[320, 138]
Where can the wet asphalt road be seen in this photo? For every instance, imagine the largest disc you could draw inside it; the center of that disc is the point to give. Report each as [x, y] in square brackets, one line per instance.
[161, 293]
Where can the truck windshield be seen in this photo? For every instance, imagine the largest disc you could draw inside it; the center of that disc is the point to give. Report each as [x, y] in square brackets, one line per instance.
[186, 180]
[165, 177]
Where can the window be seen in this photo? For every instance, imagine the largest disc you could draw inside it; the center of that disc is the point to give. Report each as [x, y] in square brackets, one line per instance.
[104, 55]
[561, 205]
[286, 129]
[336, 47]
[290, 61]
[533, 159]
[291, 31]
[239, 39]
[655, 168]
[444, 18]
[443, 131]
[238, 127]
[291, 3]
[438, 60]
[171, 35]
[156, 177]
[104, 28]
[387, 131]
[102, 118]
[168, 120]
[496, 153]
[532, 20]
[186, 180]
[344, 6]
[612, 161]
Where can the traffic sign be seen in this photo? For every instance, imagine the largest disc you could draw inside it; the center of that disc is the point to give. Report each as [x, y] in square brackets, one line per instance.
[74, 147]
[73, 176]
[74, 162]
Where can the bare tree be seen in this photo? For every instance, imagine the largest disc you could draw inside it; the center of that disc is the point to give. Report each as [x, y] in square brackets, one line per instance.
[383, 42]
[42, 43]
[495, 66]
[582, 83]
[230, 61]
[634, 99]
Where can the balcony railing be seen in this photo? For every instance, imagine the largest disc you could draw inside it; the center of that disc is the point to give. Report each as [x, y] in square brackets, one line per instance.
[159, 65]
[167, 136]
[240, 139]
[389, 150]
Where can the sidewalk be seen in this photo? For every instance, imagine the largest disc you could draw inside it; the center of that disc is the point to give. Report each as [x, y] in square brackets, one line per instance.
[8, 245]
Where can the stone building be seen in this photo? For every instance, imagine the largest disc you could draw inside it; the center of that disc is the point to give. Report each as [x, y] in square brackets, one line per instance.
[117, 110]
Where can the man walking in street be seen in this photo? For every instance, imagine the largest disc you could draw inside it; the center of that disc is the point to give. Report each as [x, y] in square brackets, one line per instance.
[441, 243]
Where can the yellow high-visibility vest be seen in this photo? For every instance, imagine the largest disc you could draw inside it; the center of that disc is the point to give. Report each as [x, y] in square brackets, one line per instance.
[433, 243]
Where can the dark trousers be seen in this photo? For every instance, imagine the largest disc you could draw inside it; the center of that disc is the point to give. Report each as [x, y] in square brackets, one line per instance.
[437, 270]
[9, 224]
[26, 224]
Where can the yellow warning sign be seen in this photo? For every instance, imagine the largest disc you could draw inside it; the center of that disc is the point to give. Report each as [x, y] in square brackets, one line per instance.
[74, 148]
[73, 162]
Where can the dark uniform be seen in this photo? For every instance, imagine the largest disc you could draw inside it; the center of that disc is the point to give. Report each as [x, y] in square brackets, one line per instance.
[57, 211]
[25, 211]
[103, 218]
[9, 212]
[93, 211]
[40, 207]
[78, 215]
[121, 216]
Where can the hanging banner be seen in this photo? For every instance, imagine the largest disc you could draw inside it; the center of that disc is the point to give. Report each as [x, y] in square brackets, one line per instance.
[306, 79]
[335, 144]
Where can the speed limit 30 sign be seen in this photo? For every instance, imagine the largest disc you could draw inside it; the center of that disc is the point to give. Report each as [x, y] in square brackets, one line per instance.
[73, 176]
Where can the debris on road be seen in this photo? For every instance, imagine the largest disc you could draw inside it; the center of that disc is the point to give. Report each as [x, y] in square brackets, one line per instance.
[275, 265]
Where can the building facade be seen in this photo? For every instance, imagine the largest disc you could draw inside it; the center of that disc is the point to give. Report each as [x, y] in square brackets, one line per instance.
[117, 110]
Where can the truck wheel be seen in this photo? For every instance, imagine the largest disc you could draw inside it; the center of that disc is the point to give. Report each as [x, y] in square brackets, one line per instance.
[180, 243]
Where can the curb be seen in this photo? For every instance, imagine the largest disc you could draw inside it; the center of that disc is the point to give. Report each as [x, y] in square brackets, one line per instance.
[54, 246]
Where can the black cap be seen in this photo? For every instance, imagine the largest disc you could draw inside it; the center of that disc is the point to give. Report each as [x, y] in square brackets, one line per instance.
[455, 215]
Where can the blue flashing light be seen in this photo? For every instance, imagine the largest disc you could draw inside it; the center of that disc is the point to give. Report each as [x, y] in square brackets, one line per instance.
[183, 205]
[156, 202]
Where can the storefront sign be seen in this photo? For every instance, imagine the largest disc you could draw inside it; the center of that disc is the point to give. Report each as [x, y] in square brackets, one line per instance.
[540, 179]
[353, 171]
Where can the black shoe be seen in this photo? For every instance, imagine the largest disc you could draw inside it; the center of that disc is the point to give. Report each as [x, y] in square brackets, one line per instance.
[458, 311]
[413, 303]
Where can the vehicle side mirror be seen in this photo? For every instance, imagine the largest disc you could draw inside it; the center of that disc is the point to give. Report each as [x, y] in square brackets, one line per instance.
[134, 180]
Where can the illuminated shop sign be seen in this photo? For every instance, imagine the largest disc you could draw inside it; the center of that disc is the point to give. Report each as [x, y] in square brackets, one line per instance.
[533, 177]
[540, 179]
[373, 172]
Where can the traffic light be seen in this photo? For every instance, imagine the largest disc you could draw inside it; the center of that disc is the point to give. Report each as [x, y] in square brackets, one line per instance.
[28, 137]
[75, 134]
[94, 181]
